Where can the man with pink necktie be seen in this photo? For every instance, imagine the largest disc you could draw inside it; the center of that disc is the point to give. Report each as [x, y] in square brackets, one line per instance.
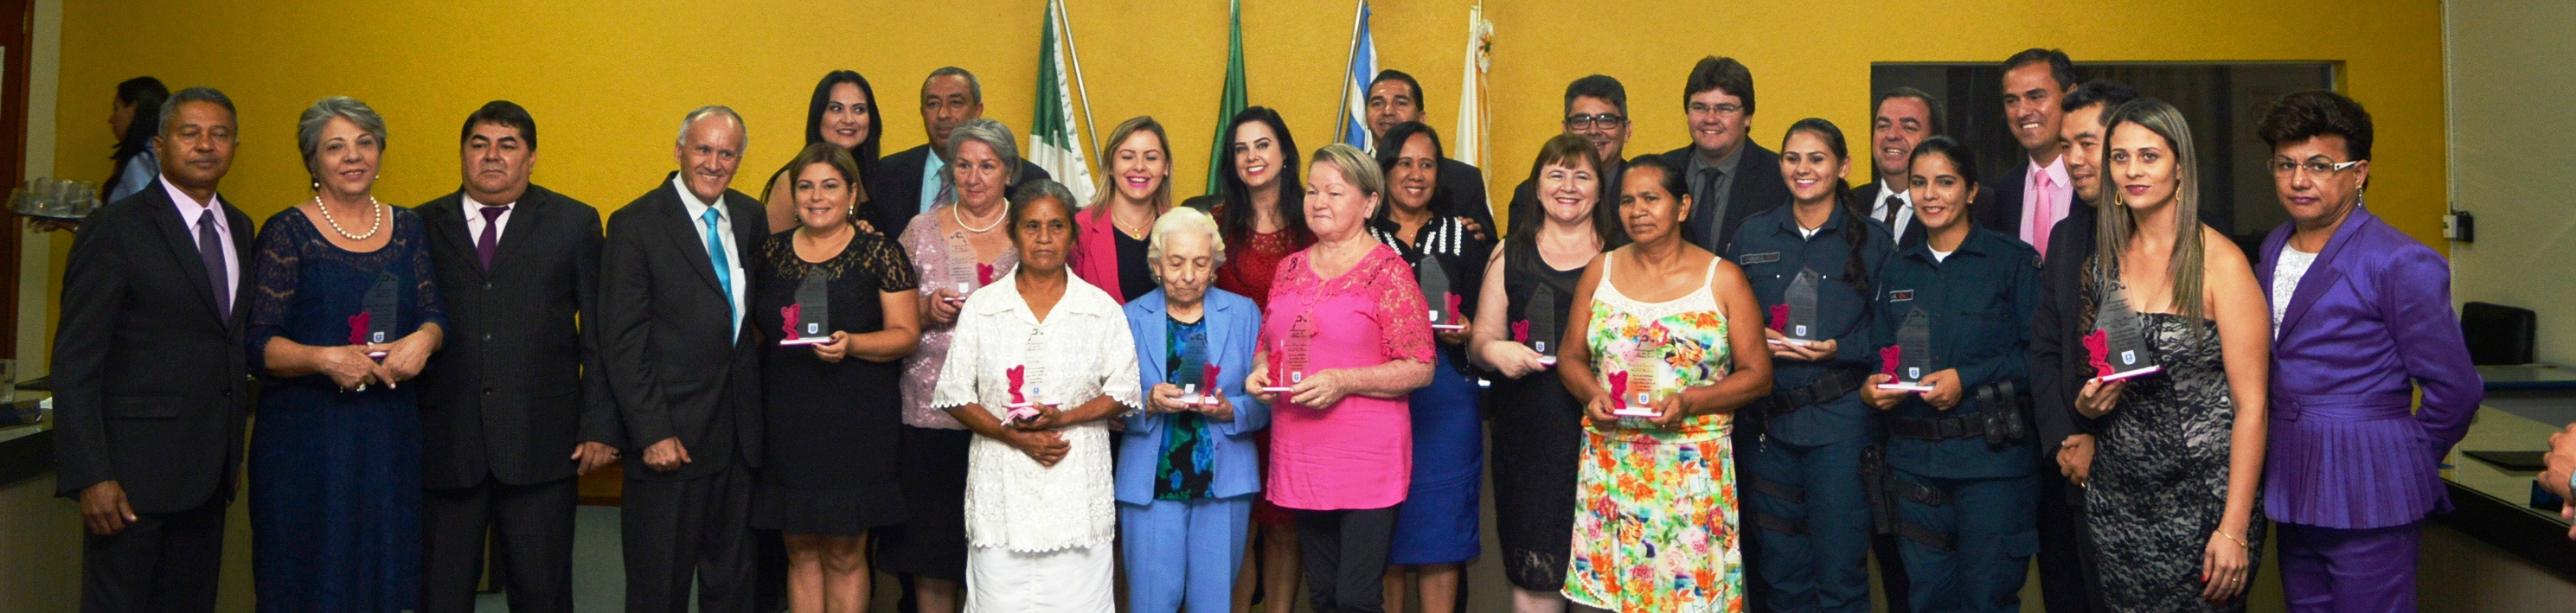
[2028, 199]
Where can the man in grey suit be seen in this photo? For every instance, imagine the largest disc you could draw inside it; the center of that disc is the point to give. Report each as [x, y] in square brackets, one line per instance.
[684, 368]
[516, 404]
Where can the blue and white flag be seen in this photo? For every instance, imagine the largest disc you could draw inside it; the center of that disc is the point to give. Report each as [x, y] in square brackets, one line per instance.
[1355, 83]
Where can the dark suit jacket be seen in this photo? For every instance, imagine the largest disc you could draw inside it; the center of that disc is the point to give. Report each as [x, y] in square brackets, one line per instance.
[151, 387]
[1865, 199]
[518, 384]
[1757, 187]
[894, 194]
[1461, 193]
[2058, 364]
[1998, 206]
[674, 362]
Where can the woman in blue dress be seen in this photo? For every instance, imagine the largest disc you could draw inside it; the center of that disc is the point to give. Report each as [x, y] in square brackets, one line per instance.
[344, 315]
[1435, 528]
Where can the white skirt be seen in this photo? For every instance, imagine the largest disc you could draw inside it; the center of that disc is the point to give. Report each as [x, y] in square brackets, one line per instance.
[1070, 580]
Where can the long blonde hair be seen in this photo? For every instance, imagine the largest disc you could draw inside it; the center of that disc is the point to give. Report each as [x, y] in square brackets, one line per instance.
[1162, 199]
[2115, 225]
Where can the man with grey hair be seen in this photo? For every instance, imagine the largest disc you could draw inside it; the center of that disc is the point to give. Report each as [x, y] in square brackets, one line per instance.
[914, 180]
[150, 382]
[685, 371]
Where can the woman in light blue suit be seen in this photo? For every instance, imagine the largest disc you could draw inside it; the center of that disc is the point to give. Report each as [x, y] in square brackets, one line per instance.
[1187, 471]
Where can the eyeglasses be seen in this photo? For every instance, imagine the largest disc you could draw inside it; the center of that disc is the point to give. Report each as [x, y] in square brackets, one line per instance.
[1603, 121]
[1720, 108]
[2287, 168]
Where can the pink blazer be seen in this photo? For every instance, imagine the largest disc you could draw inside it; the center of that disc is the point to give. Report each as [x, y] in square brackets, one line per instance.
[1095, 251]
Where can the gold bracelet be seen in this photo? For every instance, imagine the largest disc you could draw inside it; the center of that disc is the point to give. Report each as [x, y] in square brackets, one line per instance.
[2239, 542]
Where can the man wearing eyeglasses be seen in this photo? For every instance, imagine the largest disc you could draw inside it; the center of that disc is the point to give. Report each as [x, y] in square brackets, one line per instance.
[1596, 108]
[2361, 321]
[1730, 177]
[1901, 118]
[1394, 98]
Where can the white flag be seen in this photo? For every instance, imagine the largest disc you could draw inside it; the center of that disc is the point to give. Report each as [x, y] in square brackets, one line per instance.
[1052, 143]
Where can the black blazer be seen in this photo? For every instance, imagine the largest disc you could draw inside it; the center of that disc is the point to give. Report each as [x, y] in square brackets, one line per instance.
[1998, 206]
[1865, 199]
[518, 384]
[2058, 364]
[674, 362]
[1460, 192]
[1757, 188]
[894, 194]
[151, 385]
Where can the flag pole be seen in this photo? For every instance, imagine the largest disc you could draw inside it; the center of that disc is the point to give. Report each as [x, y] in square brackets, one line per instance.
[1090, 124]
[1353, 53]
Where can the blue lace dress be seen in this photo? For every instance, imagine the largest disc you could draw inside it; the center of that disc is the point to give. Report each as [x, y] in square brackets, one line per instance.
[335, 476]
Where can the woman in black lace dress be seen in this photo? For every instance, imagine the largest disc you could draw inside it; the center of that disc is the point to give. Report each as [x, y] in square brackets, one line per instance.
[2173, 489]
[828, 470]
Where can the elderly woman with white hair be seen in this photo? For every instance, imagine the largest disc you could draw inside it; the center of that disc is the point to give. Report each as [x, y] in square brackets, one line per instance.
[346, 311]
[1188, 471]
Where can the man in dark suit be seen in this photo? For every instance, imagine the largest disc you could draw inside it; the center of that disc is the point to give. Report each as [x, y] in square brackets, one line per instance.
[1394, 98]
[1901, 118]
[2025, 200]
[910, 181]
[2058, 365]
[518, 406]
[1730, 177]
[1596, 108]
[151, 388]
[684, 368]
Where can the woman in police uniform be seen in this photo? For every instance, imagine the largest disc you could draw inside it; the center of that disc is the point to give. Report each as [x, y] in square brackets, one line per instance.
[1964, 481]
[1802, 446]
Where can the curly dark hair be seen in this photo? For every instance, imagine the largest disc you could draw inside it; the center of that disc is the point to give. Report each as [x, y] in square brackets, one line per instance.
[2299, 116]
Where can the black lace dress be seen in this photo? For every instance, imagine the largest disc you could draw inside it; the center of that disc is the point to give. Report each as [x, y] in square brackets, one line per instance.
[2159, 483]
[829, 463]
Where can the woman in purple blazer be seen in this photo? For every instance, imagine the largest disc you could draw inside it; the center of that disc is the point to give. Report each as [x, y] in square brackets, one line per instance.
[2361, 318]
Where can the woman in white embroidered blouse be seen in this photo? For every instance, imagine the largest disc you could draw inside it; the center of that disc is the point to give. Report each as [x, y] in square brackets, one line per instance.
[1037, 367]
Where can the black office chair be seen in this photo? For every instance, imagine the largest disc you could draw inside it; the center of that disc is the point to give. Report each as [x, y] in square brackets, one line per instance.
[2498, 334]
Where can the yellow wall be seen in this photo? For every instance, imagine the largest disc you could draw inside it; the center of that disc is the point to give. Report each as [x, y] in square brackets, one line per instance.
[608, 81]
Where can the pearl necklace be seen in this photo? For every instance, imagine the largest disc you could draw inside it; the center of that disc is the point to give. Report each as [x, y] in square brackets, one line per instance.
[375, 216]
[954, 213]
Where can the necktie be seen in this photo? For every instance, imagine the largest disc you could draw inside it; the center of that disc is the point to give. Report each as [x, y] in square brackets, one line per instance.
[490, 241]
[716, 256]
[2044, 210]
[1707, 200]
[210, 249]
[947, 194]
[1892, 203]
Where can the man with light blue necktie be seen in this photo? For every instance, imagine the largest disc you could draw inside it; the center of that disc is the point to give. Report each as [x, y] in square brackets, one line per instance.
[685, 372]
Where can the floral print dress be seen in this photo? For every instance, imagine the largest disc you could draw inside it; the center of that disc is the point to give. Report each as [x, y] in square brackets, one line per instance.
[1655, 510]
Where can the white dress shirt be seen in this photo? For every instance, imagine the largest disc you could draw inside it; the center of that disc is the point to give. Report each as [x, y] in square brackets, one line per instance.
[1904, 207]
[189, 210]
[474, 218]
[733, 253]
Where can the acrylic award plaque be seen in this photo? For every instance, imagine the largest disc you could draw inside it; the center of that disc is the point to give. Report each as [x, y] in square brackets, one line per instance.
[1635, 389]
[1025, 393]
[2118, 343]
[1288, 358]
[1910, 358]
[808, 321]
[1434, 280]
[963, 271]
[374, 323]
[1800, 326]
[1544, 330]
[1187, 373]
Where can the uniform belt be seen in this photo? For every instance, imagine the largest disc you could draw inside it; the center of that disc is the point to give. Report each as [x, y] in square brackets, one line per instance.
[1936, 429]
[1834, 383]
[2343, 407]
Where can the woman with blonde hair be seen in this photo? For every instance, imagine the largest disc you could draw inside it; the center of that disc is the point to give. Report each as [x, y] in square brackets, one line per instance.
[1135, 191]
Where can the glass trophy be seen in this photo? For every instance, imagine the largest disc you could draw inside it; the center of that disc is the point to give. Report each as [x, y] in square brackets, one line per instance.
[1801, 300]
[1544, 329]
[1025, 392]
[963, 271]
[374, 324]
[808, 321]
[1636, 394]
[1434, 280]
[1910, 358]
[1288, 359]
[1189, 372]
[2119, 339]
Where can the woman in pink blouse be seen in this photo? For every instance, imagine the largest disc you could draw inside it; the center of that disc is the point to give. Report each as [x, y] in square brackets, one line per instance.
[1345, 335]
